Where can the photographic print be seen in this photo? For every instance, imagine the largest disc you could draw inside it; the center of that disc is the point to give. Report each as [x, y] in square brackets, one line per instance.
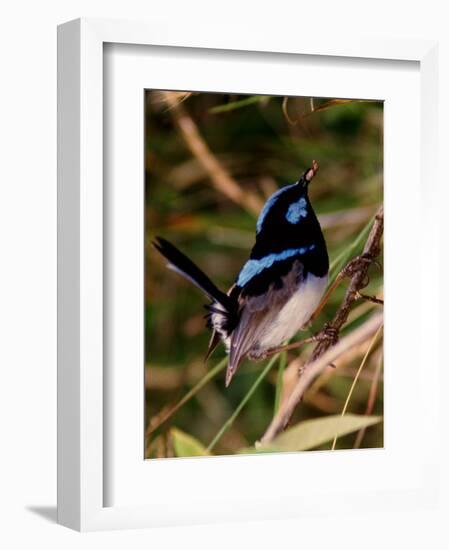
[263, 274]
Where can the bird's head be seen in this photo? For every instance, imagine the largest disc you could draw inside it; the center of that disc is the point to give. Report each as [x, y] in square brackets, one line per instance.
[289, 204]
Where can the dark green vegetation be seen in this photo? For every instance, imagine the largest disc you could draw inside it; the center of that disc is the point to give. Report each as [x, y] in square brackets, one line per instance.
[211, 161]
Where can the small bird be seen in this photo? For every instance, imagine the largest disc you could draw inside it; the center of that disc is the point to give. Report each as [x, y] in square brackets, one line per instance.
[278, 288]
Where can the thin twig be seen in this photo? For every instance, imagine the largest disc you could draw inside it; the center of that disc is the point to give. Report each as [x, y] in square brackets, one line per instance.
[357, 270]
[220, 178]
[373, 299]
[293, 345]
[285, 111]
[371, 399]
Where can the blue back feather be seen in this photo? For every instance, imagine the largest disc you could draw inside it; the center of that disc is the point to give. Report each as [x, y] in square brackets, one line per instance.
[253, 267]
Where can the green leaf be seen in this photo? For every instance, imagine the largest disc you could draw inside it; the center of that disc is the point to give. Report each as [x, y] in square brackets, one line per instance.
[186, 445]
[313, 433]
[231, 106]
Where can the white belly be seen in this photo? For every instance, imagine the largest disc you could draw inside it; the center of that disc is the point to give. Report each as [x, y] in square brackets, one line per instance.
[296, 312]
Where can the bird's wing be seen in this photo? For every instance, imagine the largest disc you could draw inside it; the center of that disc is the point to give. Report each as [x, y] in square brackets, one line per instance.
[251, 326]
[257, 313]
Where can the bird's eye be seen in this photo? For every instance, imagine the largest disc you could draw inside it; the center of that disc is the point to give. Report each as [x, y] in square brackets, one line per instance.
[296, 211]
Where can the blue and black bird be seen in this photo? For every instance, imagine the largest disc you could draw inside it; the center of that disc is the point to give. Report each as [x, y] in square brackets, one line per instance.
[279, 287]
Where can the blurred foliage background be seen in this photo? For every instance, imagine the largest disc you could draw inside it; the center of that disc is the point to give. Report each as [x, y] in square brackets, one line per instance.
[211, 160]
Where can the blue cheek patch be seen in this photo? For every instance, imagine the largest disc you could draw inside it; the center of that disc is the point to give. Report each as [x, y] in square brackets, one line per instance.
[254, 267]
[296, 211]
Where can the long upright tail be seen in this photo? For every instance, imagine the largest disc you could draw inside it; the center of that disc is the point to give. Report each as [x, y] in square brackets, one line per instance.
[184, 266]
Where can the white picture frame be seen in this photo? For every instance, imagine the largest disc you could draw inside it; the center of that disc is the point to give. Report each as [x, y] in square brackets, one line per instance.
[85, 498]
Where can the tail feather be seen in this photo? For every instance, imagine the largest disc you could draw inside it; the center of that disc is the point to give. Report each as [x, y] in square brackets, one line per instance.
[180, 263]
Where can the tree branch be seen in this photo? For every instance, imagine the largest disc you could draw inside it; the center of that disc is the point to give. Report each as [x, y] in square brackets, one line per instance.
[357, 269]
[322, 355]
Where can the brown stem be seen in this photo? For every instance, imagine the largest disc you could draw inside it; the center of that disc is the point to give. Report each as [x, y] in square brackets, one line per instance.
[371, 399]
[291, 346]
[373, 299]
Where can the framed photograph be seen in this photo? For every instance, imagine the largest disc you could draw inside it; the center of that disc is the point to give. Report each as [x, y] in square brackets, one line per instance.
[277, 269]
[232, 306]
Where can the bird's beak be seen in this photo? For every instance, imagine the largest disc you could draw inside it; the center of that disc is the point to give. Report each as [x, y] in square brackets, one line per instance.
[310, 173]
